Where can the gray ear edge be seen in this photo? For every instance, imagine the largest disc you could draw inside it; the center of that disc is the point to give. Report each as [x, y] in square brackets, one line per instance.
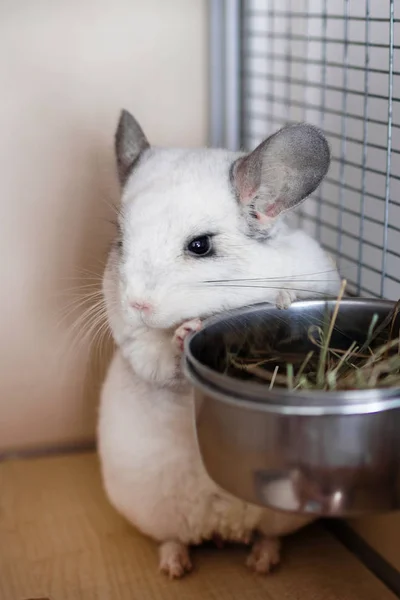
[324, 156]
[297, 155]
[324, 160]
[129, 142]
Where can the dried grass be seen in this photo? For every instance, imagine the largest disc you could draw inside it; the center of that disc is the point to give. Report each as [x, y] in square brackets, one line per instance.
[358, 367]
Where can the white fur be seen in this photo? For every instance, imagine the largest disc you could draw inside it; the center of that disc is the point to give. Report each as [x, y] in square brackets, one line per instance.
[150, 462]
[153, 473]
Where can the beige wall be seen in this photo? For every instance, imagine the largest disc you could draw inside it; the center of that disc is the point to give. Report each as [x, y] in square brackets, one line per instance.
[66, 69]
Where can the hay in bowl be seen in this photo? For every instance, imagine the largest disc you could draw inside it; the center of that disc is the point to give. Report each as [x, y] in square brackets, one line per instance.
[352, 364]
[340, 345]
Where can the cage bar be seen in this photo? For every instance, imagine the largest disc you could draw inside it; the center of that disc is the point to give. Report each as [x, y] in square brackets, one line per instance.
[335, 64]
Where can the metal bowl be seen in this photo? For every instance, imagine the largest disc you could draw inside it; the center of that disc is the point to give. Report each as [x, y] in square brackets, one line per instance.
[314, 453]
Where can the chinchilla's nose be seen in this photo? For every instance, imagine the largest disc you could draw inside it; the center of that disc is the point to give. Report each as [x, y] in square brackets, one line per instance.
[141, 306]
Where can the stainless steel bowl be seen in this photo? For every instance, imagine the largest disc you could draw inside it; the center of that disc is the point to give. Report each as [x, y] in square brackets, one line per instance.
[316, 453]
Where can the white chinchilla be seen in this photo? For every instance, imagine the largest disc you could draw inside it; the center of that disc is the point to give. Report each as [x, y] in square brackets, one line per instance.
[191, 224]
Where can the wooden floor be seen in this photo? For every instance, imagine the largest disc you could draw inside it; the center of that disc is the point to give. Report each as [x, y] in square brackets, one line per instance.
[59, 539]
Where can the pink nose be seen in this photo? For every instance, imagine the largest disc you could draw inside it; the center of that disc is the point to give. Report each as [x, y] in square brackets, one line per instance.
[142, 306]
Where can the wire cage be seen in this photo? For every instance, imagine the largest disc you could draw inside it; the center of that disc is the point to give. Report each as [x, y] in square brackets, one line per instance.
[336, 64]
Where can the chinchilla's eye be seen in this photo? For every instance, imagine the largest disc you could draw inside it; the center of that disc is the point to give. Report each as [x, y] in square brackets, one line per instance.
[200, 246]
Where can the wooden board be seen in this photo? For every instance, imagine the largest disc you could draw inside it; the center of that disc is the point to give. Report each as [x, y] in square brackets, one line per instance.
[59, 539]
[382, 533]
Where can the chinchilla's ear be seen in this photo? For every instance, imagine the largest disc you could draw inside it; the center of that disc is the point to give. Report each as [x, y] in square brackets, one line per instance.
[280, 173]
[130, 142]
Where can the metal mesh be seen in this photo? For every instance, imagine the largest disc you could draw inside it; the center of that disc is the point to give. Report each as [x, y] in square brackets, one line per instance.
[336, 64]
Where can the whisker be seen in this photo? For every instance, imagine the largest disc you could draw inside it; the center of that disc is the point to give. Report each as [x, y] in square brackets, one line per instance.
[84, 275]
[110, 204]
[80, 290]
[97, 325]
[80, 321]
[270, 287]
[284, 277]
[84, 290]
[81, 332]
[83, 278]
[79, 302]
[275, 281]
[113, 222]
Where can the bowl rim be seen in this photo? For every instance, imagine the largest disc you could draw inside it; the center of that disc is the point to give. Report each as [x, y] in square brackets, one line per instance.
[245, 392]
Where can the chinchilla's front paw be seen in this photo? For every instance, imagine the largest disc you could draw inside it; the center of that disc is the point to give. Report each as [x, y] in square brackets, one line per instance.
[285, 298]
[183, 331]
